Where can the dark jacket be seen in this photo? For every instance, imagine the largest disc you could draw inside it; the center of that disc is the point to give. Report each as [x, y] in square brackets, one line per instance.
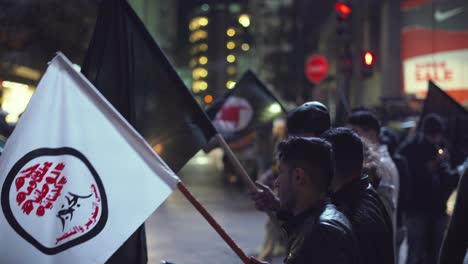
[320, 235]
[456, 239]
[403, 171]
[427, 188]
[371, 223]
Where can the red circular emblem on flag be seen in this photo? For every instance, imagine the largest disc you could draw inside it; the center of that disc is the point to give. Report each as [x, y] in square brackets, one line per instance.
[235, 115]
[54, 199]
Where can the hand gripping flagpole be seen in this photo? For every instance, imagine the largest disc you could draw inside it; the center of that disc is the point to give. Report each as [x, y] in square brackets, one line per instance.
[239, 168]
[244, 175]
[213, 222]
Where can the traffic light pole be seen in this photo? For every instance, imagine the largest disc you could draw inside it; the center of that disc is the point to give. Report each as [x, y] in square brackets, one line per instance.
[344, 59]
[343, 92]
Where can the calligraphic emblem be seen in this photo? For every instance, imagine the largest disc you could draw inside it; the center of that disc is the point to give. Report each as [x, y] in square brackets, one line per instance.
[54, 199]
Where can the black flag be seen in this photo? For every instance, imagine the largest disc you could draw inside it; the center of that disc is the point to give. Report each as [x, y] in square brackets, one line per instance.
[456, 118]
[127, 66]
[245, 108]
[131, 71]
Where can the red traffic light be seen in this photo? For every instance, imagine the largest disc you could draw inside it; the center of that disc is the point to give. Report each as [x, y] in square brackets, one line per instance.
[368, 58]
[343, 10]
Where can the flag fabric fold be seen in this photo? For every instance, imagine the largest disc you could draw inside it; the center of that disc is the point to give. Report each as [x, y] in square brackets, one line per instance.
[131, 71]
[76, 178]
[456, 118]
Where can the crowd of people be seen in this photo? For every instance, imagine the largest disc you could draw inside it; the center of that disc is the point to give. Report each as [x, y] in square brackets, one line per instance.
[350, 194]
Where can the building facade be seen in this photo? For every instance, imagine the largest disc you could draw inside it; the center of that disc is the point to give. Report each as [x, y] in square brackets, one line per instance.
[220, 44]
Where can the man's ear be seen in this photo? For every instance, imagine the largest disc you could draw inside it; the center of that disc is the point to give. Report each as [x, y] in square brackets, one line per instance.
[299, 175]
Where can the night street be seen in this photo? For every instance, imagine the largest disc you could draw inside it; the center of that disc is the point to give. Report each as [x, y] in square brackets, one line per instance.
[177, 233]
[119, 118]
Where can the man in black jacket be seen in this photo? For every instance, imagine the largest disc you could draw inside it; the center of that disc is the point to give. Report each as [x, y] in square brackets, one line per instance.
[354, 196]
[317, 232]
[429, 186]
[310, 119]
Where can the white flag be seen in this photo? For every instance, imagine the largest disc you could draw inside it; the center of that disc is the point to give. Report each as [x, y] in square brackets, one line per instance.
[76, 179]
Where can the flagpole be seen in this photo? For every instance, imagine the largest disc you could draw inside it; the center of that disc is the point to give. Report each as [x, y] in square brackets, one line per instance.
[239, 168]
[213, 223]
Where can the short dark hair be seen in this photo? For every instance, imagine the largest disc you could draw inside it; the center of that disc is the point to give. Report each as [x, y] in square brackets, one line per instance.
[311, 154]
[433, 124]
[309, 118]
[365, 119]
[347, 149]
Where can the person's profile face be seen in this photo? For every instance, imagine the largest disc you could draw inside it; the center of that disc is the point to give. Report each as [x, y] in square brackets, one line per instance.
[285, 187]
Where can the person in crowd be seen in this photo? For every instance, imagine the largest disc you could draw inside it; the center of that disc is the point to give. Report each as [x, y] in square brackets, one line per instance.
[316, 231]
[430, 184]
[309, 119]
[455, 243]
[391, 139]
[356, 198]
[377, 161]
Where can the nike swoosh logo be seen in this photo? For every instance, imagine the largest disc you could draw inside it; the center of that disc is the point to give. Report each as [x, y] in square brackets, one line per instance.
[441, 16]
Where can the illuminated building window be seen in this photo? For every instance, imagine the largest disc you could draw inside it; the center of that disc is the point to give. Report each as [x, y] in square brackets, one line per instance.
[245, 46]
[203, 85]
[230, 45]
[208, 99]
[203, 47]
[203, 21]
[198, 35]
[231, 32]
[198, 86]
[198, 22]
[231, 58]
[244, 20]
[230, 84]
[195, 87]
[231, 70]
[198, 73]
[203, 60]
